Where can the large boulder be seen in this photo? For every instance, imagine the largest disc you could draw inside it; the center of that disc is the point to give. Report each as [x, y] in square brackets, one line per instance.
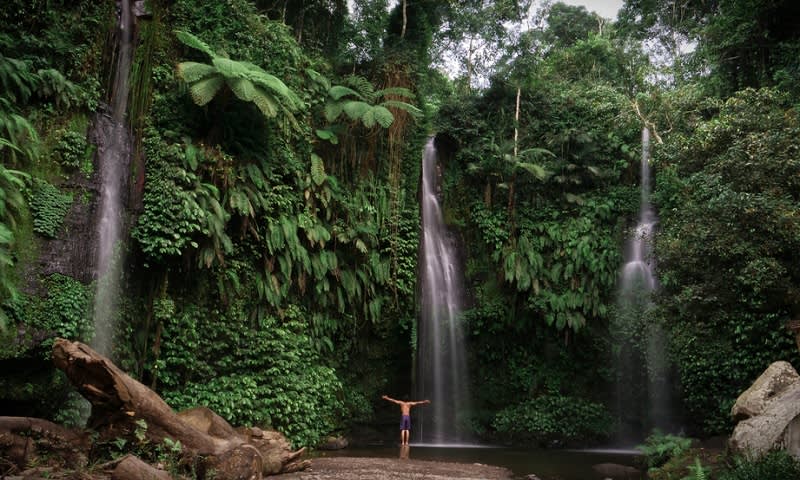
[769, 414]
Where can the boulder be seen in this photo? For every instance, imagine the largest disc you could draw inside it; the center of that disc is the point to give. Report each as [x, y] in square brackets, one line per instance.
[333, 442]
[769, 414]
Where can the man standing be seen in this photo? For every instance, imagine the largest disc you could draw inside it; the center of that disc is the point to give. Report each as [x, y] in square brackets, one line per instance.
[405, 422]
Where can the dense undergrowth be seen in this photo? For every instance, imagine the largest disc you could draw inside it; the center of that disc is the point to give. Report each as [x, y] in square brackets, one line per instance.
[273, 218]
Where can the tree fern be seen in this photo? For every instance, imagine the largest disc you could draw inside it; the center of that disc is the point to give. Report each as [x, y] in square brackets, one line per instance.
[203, 91]
[247, 81]
[190, 40]
[193, 71]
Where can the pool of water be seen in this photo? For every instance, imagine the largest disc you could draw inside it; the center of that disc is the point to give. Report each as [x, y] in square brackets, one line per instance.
[546, 464]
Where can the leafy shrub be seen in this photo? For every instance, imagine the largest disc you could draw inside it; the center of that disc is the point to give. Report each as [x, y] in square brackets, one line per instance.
[777, 465]
[71, 149]
[553, 419]
[49, 206]
[274, 378]
[660, 447]
[65, 311]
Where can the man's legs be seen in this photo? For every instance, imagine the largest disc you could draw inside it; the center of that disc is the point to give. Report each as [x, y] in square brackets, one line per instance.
[405, 426]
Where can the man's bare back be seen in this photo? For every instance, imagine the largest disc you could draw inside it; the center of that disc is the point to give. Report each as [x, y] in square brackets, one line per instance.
[405, 411]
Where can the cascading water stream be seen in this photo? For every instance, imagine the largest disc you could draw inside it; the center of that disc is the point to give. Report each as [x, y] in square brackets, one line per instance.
[114, 151]
[442, 375]
[643, 396]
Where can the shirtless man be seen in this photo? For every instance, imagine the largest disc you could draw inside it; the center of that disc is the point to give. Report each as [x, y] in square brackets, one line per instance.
[405, 422]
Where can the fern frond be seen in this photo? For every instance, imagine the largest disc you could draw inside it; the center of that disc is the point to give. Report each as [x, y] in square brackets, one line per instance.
[378, 114]
[356, 109]
[333, 110]
[414, 111]
[396, 91]
[242, 88]
[204, 90]
[191, 41]
[363, 86]
[191, 72]
[318, 78]
[338, 91]
[266, 103]
[230, 68]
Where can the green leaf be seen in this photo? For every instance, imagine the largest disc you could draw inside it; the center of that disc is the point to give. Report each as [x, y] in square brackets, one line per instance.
[242, 88]
[338, 91]
[204, 90]
[190, 40]
[191, 72]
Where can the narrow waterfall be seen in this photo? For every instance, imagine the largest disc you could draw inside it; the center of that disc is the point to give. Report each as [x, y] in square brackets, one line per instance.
[114, 151]
[442, 375]
[643, 395]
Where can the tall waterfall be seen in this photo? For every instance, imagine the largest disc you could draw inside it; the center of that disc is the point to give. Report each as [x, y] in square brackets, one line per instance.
[114, 151]
[442, 375]
[643, 395]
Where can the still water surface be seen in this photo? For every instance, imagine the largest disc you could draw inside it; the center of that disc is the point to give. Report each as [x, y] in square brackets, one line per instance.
[546, 464]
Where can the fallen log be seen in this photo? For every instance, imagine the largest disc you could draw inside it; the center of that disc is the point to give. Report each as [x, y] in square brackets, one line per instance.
[132, 468]
[118, 402]
[23, 438]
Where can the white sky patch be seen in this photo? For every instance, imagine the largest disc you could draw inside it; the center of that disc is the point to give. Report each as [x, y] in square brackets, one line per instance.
[604, 8]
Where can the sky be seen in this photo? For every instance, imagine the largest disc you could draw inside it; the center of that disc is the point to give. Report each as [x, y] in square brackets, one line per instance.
[604, 8]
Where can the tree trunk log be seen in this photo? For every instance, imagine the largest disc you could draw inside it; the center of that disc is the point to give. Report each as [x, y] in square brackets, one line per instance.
[22, 438]
[118, 401]
[132, 468]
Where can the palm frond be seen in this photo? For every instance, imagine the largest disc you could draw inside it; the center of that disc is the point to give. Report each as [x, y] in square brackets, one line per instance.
[536, 170]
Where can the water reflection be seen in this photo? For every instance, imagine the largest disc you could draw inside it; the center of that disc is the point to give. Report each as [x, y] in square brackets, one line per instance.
[404, 452]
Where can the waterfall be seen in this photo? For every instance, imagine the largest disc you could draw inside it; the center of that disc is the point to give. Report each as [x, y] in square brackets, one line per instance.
[442, 375]
[643, 395]
[114, 151]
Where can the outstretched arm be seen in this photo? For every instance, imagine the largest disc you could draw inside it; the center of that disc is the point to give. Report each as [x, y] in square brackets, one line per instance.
[420, 402]
[387, 397]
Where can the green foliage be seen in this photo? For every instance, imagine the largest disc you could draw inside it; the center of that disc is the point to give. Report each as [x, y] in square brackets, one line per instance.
[247, 81]
[284, 384]
[64, 312]
[773, 466]
[553, 420]
[728, 199]
[12, 203]
[660, 447]
[71, 149]
[358, 101]
[698, 471]
[174, 219]
[48, 206]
